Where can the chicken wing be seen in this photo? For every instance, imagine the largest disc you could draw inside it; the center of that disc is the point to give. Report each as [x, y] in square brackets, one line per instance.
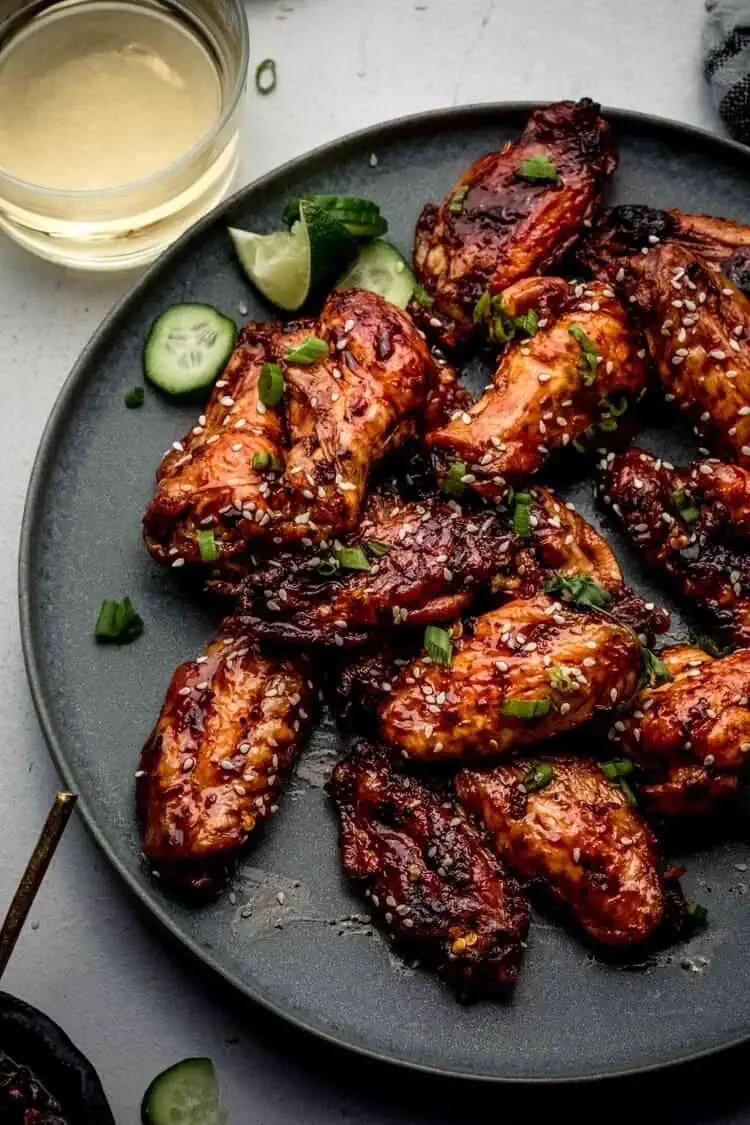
[218, 758]
[407, 564]
[431, 882]
[513, 213]
[338, 417]
[528, 671]
[691, 737]
[692, 525]
[697, 324]
[547, 391]
[561, 821]
[625, 230]
[207, 483]
[356, 404]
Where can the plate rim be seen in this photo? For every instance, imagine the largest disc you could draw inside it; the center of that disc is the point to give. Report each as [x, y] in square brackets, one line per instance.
[387, 130]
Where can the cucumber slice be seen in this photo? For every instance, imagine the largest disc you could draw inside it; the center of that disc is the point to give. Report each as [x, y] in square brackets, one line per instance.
[186, 1094]
[186, 348]
[381, 269]
[361, 217]
[291, 266]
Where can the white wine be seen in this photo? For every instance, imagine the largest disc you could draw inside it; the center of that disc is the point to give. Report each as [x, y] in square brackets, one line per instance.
[119, 123]
[98, 95]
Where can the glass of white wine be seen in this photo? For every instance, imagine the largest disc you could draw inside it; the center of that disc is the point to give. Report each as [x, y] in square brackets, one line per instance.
[119, 123]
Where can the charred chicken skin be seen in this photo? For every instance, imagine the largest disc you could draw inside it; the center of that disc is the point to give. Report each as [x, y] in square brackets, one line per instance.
[337, 419]
[627, 229]
[547, 390]
[416, 564]
[697, 324]
[218, 758]
[530, 670]
[691, 524]
[691, 737]
[430, 880]
[499, 224]
[579, 837]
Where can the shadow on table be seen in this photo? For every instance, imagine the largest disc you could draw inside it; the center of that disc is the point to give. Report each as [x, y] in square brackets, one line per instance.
[709, 1091]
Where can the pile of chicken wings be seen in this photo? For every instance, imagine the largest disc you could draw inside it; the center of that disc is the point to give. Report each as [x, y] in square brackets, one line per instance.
[512, 729]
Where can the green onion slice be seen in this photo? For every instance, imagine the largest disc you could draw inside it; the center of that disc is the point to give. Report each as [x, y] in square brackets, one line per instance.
[654, 671]
[697, 913]
[309, 351]
[327, 568]
[207, 546]
[538, 167]
[352, 558]
[265, 77]
[562, 679]
[271, 384]
[527, 708]
[377, 549]
[118, 622]
[134, 398]
[452, 484]
[422, 297]
[522, 514]
[456, 204]
[261, 460]
[589, 355]
[538, 777]
[437, 641]
[616, 767]
[579, 589]
[481, 308]
[528, 322]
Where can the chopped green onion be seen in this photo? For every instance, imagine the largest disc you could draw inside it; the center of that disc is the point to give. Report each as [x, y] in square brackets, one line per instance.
[261, 460]
[654, 671]
[270, 384]
[697, 913]
[481, 308]
[118, 622]
[689, 514]
[376, 548]
[452, 484]
[617, 767]
[579, 589]
[608, 425]
[522, 514]
[502, 326]
[630, 796]
[422, 297]
[207, 546]
[683, 502]
[309, 351]
[711, 646]
[538, 167]
[327, 568]
[527, 708]
[437, 641]
[265, 77]
[538, 777]
[528, 322]
[577, 446]
[562, 679]
[589, 355]
[456, 204]
[134, 398]
[352, 558]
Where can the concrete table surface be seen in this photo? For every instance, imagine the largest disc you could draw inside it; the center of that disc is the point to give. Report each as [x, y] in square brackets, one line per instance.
[88, 957]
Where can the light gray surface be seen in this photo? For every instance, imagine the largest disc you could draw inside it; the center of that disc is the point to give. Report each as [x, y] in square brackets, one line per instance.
[91, 962]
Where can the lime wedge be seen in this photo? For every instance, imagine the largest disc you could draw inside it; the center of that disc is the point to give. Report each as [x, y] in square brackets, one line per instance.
[290, 267]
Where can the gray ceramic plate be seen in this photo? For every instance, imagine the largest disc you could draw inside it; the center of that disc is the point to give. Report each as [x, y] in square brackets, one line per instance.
[572, 1017]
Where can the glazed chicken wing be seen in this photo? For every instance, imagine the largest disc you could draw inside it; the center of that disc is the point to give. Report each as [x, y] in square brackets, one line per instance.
[431, 882]
[697, 324]
[354, 405]
[499, 224]
[408, 564]
[691, 737]
[206, 482]
[528, 671]
[578, 835]
[217, 760]
[547, 391]
[691, 524]
[625, 230]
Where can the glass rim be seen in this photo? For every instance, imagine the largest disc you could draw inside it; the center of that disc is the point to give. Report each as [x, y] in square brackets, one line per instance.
[183, 162]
